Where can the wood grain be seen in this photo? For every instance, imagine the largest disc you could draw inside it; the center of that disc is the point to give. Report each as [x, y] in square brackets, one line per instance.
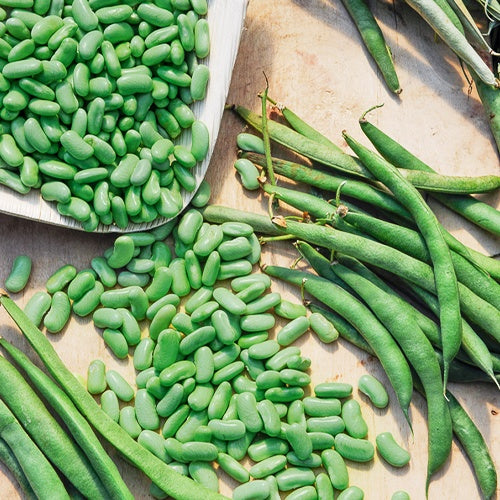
[311, 54]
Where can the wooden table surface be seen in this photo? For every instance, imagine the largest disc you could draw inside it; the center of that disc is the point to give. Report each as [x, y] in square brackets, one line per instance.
[313, 59]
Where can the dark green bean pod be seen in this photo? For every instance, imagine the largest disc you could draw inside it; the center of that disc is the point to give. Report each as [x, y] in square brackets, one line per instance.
[374, 41]
[322, 180]
[476, 309]
[300, 126]
[475, 447]
[415, 345]
[296, 142]
[40, 473]
[46, 432]
[412, 243]
[444, 271]
[369, 194]
[10, 461]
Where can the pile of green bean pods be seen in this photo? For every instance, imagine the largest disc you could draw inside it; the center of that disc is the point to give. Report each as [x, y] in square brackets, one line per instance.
[373, 251]
[218, 379]
[95, 97]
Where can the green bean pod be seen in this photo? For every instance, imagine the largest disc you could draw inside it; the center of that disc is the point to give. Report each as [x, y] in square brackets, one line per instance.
[374, 41]
[362, 319]
[77, 424]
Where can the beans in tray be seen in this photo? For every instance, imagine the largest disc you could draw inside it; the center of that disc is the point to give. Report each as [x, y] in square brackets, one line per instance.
[95, 99]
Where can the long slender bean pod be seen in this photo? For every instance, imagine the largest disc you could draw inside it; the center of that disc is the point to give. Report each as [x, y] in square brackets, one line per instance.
[474, 349]
[474, 446]
[38, 470]
[417, 348]
[476, 211]
[395, 235]
[444, 272]
[350, 187]
[296, 142]
[426, 181]
[370, 194]
[173, 483]
[472, 345]
[490, 97]
[476, 309]
[47, 433]
[76, 423]
[412, 243]
[457, 42]
[361, 318]
[374, 41]
[10, 461]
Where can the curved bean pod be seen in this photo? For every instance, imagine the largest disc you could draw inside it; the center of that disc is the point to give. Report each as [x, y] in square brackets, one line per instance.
[363, 320]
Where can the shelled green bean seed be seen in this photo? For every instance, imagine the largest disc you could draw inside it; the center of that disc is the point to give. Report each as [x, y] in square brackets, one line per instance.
[373, 388]
[201, 396]
[128, 421]
[119, 385]
[161, 320]
[19, 274]
[323, 328]
[321, 407]
[268, 466]
[106, 317]
[400, 495]
[266, 448]
[37, 306]
[110, 405]
[355, 424]
[145, 410]
[294, 477]
[321, 440]
[333, 390]
[352, 493]
[258, 490]
[324, 486]
[115, 340]
[332, 425]
[171, 401]
[289, 310]
[390, 451]
[358, 450]
[233, 468]
[60, 278]
[336, 469]
[59, 312]
[96, 377]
